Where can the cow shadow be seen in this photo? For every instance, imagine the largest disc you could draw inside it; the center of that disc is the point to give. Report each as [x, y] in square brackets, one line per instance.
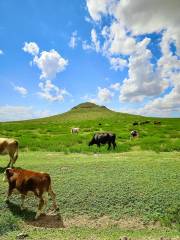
[46, 221]
[25, 214]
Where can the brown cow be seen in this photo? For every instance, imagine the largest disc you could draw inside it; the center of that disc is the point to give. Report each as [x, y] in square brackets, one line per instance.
[28, 181]
[9, 146]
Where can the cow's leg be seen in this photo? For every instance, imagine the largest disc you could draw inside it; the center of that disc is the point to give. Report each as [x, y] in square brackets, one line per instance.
[109, 145]
[53, 196]
[9, 193]
[45, 197]
[40, 206]
[98, 144]
[114, 145]
[22, 201]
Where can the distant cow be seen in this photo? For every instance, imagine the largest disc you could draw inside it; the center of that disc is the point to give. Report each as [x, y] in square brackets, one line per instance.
[75, 130]
[28, 181]
[134, 134]
[104, 138]
[9, 146]
[135, 123]
[157, 122]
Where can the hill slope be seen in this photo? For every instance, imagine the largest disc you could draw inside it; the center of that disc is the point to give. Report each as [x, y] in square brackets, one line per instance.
[53, 133]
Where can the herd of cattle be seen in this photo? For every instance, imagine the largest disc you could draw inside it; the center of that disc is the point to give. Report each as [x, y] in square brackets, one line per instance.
[40, 183]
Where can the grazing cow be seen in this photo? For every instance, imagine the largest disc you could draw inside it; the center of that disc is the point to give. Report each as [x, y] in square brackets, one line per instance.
[75, 130]
[9, 146]
[28, 181]
[103, 138]
[135, 123]
[134, 134]
[157, 122]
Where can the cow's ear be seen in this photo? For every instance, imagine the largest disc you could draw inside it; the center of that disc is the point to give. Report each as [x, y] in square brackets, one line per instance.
[9, 172]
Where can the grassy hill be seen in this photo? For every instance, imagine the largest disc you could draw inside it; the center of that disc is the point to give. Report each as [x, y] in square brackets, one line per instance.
[53, 133]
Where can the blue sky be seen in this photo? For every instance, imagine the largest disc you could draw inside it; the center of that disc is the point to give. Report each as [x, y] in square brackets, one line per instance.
[56, 54]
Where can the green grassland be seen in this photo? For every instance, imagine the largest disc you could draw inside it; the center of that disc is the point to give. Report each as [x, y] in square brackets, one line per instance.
[132, 191]
[141, 188]
[53, 133]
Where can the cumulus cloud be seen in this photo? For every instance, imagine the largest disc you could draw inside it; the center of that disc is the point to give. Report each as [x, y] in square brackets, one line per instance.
[50, 63]
[118, 40]
[51, 92]
[31, 48]
[104, 94]
[14, 113]
[143, 80]
[118, 63]
[73, 40]
[98, 7]
[143, 17]
[115, 86]
[121, 44]
[23, 91]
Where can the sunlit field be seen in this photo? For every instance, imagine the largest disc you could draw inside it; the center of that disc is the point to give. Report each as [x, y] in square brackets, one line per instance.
[105, 196]
[54, 133]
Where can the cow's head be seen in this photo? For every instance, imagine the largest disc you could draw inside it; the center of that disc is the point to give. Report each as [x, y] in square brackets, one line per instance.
[91, 142]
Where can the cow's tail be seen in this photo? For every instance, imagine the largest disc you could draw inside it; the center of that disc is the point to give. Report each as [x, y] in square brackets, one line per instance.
[16, 152]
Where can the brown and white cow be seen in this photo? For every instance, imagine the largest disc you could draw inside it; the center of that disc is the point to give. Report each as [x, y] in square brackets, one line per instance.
[29, 181]
[9, 146]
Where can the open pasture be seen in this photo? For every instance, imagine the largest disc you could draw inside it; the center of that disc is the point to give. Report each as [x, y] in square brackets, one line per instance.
[54, 133]
[106, 196]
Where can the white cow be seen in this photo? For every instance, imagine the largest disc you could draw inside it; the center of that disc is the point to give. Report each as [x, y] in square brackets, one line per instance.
[75, 130]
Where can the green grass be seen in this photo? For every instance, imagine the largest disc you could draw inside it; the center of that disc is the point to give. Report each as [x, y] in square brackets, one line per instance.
[141, 185]
[53, 133]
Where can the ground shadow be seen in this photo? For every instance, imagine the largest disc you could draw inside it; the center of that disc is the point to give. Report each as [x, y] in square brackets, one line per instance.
[25, 214]
[48, 221]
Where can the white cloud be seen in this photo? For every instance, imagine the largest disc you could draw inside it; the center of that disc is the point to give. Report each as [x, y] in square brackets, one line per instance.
[1, 52]
[95, 40]
[31, 48]
[14, 113]
[51, 92]
[73, 40]
[98, 7]
[104, 94]
[117, 40]
[118, 63]
[143, 17]
[143, 80]
[50, 63]
[115, 86]
[95, 43]
[23, 91]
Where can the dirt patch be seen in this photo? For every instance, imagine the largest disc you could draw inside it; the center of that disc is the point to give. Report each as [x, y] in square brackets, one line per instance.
[55, 221]
[47, 221]
[105, 221]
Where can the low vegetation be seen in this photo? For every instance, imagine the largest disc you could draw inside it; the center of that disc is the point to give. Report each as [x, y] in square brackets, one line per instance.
[143, 186]
[53, 133]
